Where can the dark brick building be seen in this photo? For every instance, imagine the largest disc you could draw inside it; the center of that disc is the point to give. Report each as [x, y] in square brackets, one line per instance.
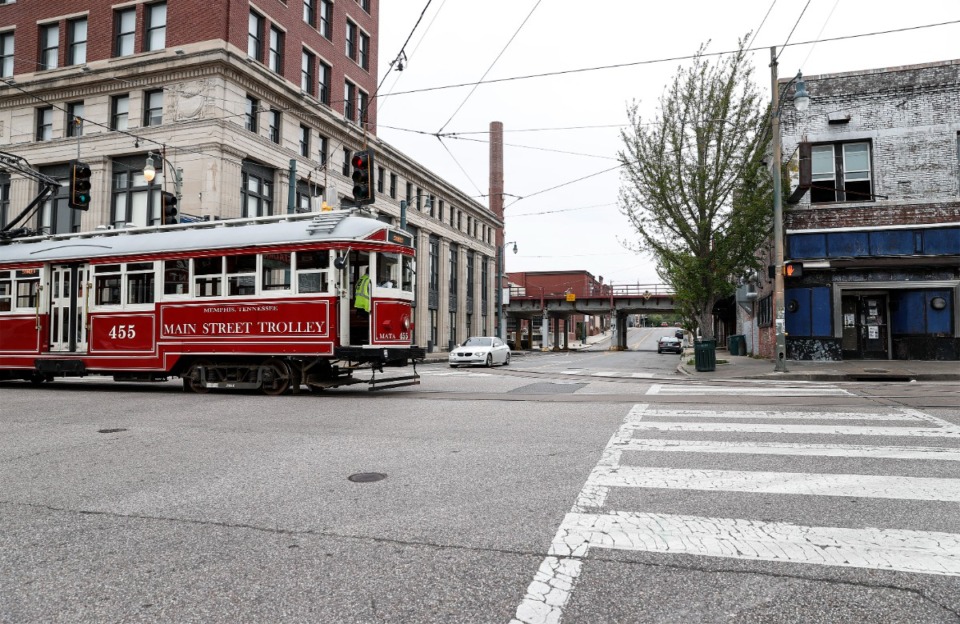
[877, 229]
[257, 105]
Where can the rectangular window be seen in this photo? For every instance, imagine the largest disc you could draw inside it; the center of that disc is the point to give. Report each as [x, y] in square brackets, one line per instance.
[156, 26]
[362, 110]
[323, 151]
[49, 46]
[349, 101]
[326, 19]
[134, 200]
[275, 61]
[255, 36]
[346, 161]
[273, 125]
[305, 141]
[242, 275]
[393, 186]
[6, 291]
[125, 27]
[351, 41]
[207, 276]
[440, 208]
[275, 272]
[765, 311]
[250, 114]
[256, 195]
[107, 284]
[4, 198]
[6, 54]
[153, 108]
[119, 112]
[77, 42]
[310, 12]
[307, 61]
[45, 123]
[313, 271]
[323, 82]
[176, 277]
[365, 5]
[410, 195]
[140, 282]
[380, 177]
[841, 172]
[365, 51]
[434, 263]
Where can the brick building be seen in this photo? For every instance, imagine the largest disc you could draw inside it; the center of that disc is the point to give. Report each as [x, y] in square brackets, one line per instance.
[258, 105]
[877, 228]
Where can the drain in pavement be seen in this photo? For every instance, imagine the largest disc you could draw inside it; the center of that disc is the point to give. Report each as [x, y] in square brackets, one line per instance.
[367, 477]
[110, 430]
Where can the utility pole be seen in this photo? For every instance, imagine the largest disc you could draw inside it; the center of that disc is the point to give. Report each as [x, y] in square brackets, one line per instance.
[780, 363]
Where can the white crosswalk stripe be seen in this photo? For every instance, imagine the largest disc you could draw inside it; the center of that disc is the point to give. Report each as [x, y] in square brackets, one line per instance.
[590, 525]
[738, 390]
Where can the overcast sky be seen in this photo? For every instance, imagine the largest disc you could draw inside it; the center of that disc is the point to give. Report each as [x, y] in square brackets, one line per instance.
[579, 226]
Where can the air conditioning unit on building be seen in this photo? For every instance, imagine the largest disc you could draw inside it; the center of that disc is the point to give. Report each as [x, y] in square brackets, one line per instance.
[746, 295]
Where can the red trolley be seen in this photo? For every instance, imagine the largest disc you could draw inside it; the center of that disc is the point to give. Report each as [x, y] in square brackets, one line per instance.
[272, 303]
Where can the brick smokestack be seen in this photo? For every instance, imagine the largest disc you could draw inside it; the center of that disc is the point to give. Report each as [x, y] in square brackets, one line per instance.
[496, 175]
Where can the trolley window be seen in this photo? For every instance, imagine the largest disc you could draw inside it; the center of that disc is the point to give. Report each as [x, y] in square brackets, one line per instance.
[407, 272]
[140, 282]
[27, 287]
[313, 271]
[241, 275]
[6, 291]
[107, 284]
[388, 270]
[176, 277]
[207, 276]
[276, 271]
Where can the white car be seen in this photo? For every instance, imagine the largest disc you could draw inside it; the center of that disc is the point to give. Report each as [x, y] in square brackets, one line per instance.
[484, 350]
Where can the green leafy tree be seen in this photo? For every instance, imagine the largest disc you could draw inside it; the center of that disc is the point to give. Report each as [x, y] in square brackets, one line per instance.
[694, 184]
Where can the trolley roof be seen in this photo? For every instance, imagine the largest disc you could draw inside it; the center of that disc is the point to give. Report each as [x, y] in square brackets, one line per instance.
[339, 225]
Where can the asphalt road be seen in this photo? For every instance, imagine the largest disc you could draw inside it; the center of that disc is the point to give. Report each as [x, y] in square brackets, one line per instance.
[585, 487]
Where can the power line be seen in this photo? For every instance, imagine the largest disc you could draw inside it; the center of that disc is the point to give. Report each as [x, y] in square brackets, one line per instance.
[543, 212]
[533, 147]
[795, 24]
[685, 57]
[507, 45]
[552, 188]
[760, 27]
[822, 28]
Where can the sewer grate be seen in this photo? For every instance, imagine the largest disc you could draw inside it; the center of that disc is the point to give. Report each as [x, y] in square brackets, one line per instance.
[367, 477]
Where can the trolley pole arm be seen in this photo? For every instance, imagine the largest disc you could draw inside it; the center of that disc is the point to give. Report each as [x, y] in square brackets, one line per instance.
[13, 163]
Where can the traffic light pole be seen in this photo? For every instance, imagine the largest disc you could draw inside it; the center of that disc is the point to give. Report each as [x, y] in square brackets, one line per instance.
[779, 320]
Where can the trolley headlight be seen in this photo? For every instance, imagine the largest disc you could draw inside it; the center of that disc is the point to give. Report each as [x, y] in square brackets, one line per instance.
[406, 322]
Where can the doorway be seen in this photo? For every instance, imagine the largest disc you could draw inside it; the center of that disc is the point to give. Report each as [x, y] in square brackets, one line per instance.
[865, 327]
[68, 308]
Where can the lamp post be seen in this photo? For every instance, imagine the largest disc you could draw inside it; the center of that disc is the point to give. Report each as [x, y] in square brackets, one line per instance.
[801, 100]
[501, 261]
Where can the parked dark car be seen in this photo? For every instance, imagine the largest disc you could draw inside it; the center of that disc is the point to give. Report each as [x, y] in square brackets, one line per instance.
[668, 344]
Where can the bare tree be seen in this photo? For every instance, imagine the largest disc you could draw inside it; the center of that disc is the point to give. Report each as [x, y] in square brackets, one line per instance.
[694, 184]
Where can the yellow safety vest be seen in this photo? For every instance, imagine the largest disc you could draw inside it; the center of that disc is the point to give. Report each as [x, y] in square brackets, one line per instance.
[362, 294]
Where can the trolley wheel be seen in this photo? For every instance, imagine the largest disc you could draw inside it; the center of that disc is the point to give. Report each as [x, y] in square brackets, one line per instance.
[37, 378]
[280, 381]
[191, 381]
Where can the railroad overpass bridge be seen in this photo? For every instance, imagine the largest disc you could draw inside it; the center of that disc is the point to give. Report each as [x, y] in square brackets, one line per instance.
[616, 300]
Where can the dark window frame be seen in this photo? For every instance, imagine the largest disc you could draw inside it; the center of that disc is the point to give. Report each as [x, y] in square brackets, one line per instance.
[393, 186]
[305, 141]
[839, 189]
[75, 45]
[8, 51]
[149, 107]
[326, 19]
[74, 110]
[121, 37]
[255, 35]
[44, 126]
[251, 113]
[274, 125]
[324, 79]
[308, 61]
[262, 196]
[116, 115]
[350, 40]
[310, 12]
[349, 100]
[275, 45]
[323, 149]
[46, 48]
[128, 181]
[153, 27]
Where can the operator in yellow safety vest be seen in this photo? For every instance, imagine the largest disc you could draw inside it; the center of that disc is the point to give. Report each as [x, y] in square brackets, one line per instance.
[362, 294]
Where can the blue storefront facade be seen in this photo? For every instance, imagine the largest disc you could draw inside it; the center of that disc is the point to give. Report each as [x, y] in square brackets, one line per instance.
[874, 228]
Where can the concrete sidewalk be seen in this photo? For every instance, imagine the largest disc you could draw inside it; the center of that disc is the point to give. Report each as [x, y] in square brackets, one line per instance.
[746, 367]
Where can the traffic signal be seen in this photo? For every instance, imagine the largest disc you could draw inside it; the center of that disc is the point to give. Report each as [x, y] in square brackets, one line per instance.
[79, 185]
[362, 163]
[168, 208]
[792, 269]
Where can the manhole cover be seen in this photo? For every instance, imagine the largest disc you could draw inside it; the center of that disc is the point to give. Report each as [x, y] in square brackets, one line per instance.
[110, 430]
[367, 477]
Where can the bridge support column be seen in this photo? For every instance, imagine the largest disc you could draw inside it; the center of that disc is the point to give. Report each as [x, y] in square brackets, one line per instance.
[544, 332]
[618, 334]
[556, 333]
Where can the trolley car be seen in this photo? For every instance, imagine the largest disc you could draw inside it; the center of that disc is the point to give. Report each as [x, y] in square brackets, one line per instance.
[272, 303]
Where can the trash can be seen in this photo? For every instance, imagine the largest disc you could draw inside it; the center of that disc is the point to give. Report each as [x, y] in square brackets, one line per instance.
[743, 344]
[705, 356]
[733, 345]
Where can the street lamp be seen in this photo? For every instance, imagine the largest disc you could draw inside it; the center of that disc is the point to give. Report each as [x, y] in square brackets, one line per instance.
[801, 100]
[502, 321]
[150, 172]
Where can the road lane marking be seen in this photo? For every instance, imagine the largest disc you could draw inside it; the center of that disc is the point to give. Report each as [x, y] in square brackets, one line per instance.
[797, 449]
[778, 391]
[777, 415]
[585, 527]
[793, 483]
[923, 432]
[920, 552]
